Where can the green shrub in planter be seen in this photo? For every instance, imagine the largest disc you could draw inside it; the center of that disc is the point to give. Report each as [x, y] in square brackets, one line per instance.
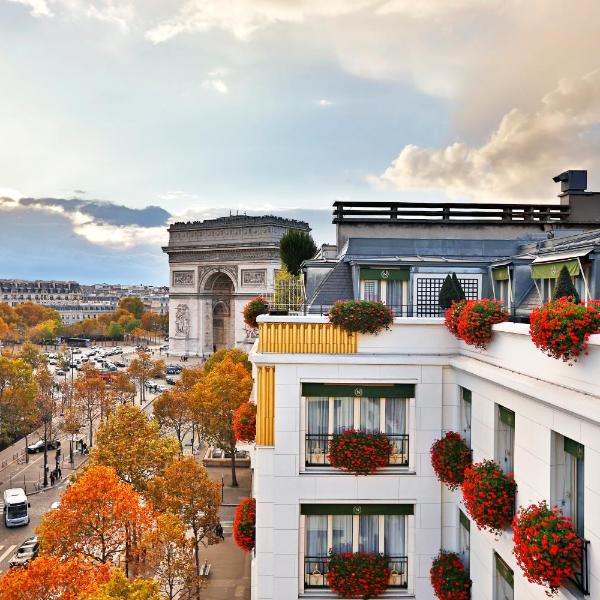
[361, 316]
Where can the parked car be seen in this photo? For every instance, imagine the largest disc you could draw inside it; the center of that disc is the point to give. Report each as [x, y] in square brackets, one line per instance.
[120, 364]
[170, 381]
[27, 551]
[39, 446]
[61, 373]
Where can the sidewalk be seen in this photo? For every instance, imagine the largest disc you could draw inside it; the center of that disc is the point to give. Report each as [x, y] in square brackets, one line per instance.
[230, 567]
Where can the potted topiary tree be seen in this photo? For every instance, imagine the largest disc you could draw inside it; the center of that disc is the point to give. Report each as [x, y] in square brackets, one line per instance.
[294, 248]
[564, 287]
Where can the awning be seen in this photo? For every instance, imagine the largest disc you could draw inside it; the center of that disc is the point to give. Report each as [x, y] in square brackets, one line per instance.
[500, 273]
[357, 509]
[548, 266]
[357, 390]
[385, 273]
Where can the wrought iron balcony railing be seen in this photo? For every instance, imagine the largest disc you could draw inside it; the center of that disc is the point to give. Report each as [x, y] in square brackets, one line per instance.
[581, 578]
[317, 449]
[316, 572]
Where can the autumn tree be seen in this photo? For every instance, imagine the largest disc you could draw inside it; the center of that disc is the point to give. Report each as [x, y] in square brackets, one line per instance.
[50, 577]
[90, 396]
[173, 412]
[122, 389]
[234, 354]
[71, 423]
[133, 305]
[142, 368]
[186, 491]
[17, 399]
[95, 519]
[131, 444]
[214, 402]
[119, 587]
[32, 355]
[34, 314]
[4, 329]
[44, 332]
[171, 556]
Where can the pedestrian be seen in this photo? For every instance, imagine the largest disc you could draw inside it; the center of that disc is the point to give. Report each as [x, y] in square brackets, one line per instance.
[51, 477]
[219, 531]
[59, 472]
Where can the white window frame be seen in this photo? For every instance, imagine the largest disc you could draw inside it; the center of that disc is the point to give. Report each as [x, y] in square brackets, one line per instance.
[504, 443]
[466, 417]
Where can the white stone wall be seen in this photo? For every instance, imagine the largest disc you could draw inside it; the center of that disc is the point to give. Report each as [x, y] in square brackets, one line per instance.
[546, 395]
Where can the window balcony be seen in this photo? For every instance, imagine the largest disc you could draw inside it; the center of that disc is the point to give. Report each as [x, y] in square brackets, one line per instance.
[317, 450]
[316, 572]
[581, 578]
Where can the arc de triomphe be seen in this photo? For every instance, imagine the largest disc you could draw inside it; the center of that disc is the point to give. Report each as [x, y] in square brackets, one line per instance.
[216, 267]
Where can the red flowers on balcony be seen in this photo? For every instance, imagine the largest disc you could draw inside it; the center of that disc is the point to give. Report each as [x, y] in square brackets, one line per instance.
[361, 316]
[489, 495]
[244, 524]
[358, 575]
[449, 459]
[449, 579]
[244, 422]
[472, 320]
[546, 546]
[255, 308]
[359, 452]
[561, 328]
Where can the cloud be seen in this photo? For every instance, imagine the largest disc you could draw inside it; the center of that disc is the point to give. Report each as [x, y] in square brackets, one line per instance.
[514, 161]
[218, 85]
[324, 102]
[100, 223]
[37, 8]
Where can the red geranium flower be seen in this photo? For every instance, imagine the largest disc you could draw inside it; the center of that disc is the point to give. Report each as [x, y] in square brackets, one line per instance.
[472, 320]
[449, 458]
[449, 579]
[254, 308]
[361, 316]
[359, 452]
[358, 575]
[244, 524]
[244, 422]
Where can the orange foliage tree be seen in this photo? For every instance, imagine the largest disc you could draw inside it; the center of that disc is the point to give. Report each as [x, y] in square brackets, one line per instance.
[96, 519]
[90, 396]
[142, 368]
[50, 577]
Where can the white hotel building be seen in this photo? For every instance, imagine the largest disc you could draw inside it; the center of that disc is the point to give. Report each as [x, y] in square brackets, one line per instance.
[537, 417]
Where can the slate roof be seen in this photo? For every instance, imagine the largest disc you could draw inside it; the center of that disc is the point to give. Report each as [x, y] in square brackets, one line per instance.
[336, 285]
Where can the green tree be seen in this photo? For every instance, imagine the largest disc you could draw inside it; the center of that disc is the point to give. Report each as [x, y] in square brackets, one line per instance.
[564, 287]
[131, 325]
[132, 304]
[295, 247]
[446, 293]
[459, 293]
[114, 331]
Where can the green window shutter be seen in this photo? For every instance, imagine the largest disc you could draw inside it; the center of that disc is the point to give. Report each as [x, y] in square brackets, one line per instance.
[500, 274]
[551, 270]
[357, 390]
[385, 274]
[357, 509]
[466, 394]
[504, 571]
[574, 448]
[464, 520]
[506, 416]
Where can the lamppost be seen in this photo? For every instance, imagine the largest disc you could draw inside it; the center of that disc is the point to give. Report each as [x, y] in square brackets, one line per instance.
[46, 417]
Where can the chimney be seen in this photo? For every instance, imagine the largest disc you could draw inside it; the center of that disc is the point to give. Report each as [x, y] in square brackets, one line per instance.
[584, 207]
[572, 181]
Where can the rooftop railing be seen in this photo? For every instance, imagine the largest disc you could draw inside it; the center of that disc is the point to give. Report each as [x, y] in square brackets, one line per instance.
[448, 212]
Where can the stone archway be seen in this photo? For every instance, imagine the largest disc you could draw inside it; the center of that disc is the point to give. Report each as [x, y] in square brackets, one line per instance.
[221, 288]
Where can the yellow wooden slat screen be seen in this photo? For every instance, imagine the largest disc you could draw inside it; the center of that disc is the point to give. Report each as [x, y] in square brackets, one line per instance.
[265, 406]
[305, 338]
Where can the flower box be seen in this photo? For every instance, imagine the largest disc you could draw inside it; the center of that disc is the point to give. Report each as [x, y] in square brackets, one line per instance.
[255, 308]
[244, 422]
[358, 575]
[359, 452]
[361, 316]
[244, 524]
[449, 579]
[449, 459]
[472, 320]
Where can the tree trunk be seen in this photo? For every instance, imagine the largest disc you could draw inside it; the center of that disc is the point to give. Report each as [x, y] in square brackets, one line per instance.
[197, 561]
[234, 481]
[91, 429]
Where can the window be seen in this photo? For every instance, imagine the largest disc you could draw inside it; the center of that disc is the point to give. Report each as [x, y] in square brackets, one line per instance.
[568, 480]
[333, 414]
[504, 580]
[505, 438]
[426, 292]
[464, 539]
[357, 529]
[465, 415]
[389, 286]
[370, 289]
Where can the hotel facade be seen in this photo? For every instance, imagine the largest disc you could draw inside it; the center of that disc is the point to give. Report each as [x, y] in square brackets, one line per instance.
[537, 417]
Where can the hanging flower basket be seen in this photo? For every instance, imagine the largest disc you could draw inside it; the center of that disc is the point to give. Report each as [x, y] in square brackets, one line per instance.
[358, 575]
[546, 546]
[449, 579]
[255, 308]
[476, 319]
[452, 315]
[359, 452]
[449, 459]
[244, 524]
[361, 316]
[489, 496]
[561, 328]
[244, 422]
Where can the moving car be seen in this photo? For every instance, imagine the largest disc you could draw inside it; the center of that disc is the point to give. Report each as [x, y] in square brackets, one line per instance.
[16, 507]
[27, 551]
[39, 446]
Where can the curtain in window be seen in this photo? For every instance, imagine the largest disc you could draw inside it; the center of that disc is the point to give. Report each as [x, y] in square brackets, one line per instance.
[316, 536]
[395, 416]
[342, 533]
[369, 414]
[370, 289]
[394, 296]
[464, 542]
[465, 416]
[318, 424]
[368, 533]
[579, 467]
[394, 535]
[504, 590]
[343, 414]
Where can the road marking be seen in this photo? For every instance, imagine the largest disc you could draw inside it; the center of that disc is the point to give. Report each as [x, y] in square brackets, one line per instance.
[7, 552]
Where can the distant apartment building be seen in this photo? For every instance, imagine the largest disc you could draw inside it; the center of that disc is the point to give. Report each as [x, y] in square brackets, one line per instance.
[17, 291]
[537, 417]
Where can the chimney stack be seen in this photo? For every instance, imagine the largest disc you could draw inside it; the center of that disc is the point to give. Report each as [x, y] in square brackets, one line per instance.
[584, 206]
[572, 181]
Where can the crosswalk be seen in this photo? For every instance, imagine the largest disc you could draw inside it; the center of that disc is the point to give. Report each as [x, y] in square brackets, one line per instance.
[5, 552]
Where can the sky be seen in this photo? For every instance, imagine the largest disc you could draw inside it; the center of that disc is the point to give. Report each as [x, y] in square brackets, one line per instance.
[118, 117]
